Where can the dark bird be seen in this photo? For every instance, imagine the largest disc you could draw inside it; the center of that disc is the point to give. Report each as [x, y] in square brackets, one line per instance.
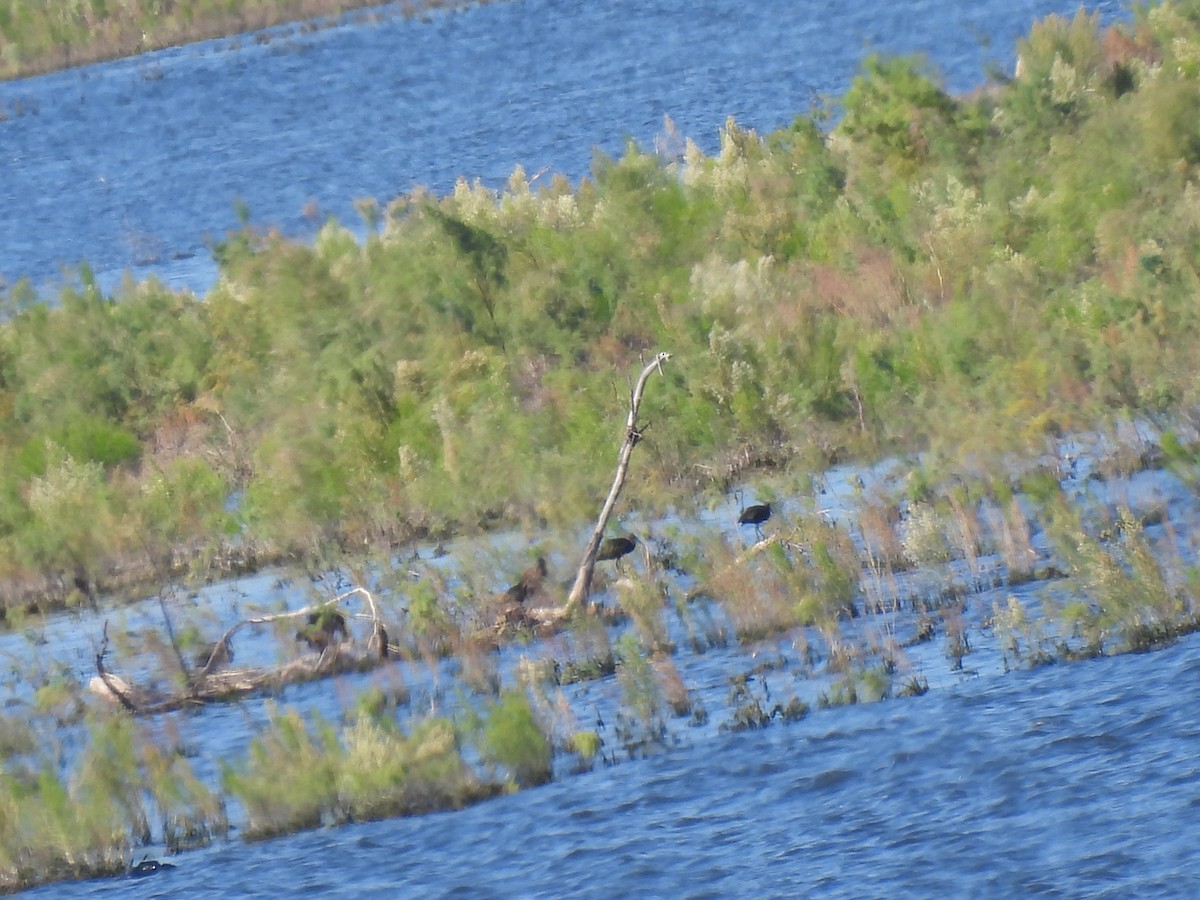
[213, 655]
[148, 866]
[615, 548]
[529, 583]
[326, 627]
[379, 640]
[755, 515]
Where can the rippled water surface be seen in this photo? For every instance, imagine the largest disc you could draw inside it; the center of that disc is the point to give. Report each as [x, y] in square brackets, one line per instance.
[1079, 780]
[139, 164]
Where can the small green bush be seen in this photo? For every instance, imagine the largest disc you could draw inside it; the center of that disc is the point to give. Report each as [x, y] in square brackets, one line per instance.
[513, 739]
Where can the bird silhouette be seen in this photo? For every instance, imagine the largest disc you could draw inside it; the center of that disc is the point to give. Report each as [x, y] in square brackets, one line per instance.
[529, 583]
[323, 628]
[615, 548]
[213, 655]
[755, 515]
[379, 638]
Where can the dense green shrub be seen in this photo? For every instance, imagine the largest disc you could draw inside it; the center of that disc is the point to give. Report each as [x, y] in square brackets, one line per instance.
[513, 739]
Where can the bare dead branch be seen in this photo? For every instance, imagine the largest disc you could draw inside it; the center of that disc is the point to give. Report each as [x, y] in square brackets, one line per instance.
[633, 434]
[110, 681]
[231, 684]
[295, 614]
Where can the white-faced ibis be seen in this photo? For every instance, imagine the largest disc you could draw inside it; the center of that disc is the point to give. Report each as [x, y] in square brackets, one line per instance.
[615, 548]
[213, 655]
[755, 515]
[529, 583]
[326, 627]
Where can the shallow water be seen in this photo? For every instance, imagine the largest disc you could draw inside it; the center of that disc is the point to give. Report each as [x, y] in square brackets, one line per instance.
[138, 165]
[1076, 780]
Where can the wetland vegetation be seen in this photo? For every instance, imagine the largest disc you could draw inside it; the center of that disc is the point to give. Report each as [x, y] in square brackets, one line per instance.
[37, 37]
[960, 282]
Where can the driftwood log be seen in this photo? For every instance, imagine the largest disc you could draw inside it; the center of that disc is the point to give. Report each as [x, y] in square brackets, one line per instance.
[206, 686]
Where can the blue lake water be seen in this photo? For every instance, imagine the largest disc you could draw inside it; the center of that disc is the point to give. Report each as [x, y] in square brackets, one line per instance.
[137, 165]
[1071, 780]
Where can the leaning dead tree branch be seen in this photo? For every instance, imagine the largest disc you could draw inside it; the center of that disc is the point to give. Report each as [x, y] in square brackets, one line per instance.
[633, 434]
[705, 588]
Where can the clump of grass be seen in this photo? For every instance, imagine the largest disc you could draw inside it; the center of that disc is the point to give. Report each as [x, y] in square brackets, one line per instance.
[1010, 528]
[926, 628]
[750, 592]
[50, 832]
[1021, 636]
[859, 685]
[573, 670]
[513, 739]
[591, 653]
[644, 599]
[384, 772]
[192, 814]
[828, 582]
[842, 692]
[1127, 599]
[287, 782]
[915, 686]
[958, 643]
[84, 822]
[640, 723]
[751, 711]
[587, 745]
[300, 774]
[671, 684]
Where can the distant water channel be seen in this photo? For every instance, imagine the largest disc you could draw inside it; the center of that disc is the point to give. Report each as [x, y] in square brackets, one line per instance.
[138, 165]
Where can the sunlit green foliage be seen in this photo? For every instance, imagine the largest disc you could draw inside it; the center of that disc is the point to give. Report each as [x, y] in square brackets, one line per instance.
[959, 274]
[301, 774]
[1131, 597]
[513, 739]
[85, 821]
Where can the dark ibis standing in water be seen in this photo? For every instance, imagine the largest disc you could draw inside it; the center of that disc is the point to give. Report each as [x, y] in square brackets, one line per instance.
[755, 515]
[615, 548]
[529, 583]
[326, 627]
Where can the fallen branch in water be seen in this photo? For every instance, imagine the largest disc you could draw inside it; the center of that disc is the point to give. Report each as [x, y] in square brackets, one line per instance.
[210, 686]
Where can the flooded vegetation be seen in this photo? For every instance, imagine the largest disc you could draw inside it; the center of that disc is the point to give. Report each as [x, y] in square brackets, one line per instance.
[312, 549]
